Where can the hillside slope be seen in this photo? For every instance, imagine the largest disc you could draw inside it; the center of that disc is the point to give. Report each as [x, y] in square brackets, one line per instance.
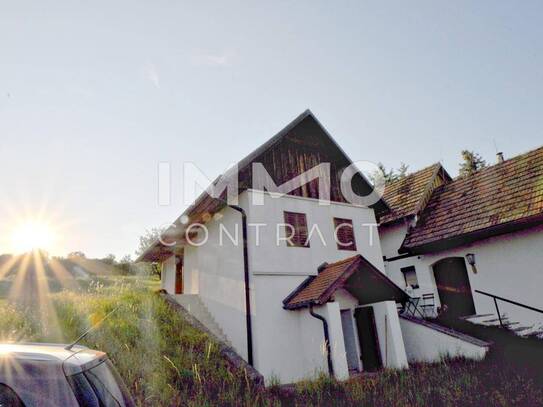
[165, 361]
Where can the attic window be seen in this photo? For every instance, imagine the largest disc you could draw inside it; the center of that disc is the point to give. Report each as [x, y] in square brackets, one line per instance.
[343, 228]
[296, 229]
[410, 276]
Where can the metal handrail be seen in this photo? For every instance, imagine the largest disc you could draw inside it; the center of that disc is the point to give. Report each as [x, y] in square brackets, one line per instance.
[496, 298]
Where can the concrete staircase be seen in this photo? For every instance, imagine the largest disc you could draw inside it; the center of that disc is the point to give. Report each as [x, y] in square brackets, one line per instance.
[515, 327]
[195, 307]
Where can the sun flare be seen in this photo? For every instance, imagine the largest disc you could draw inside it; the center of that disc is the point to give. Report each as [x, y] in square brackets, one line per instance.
[32, 235]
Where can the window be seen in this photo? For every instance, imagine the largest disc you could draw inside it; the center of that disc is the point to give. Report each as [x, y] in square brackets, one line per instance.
[343, 229]
[410, 276]
[8, 397]
[296, 229]
[100, 386]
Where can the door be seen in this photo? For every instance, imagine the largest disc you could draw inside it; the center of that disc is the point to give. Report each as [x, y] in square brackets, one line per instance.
[179, 275]
[349, 339]
[453, 287]
[367, 335]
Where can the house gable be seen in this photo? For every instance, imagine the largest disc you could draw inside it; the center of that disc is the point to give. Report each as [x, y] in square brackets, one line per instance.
[355, 274]
[300, 146]
[408, 196]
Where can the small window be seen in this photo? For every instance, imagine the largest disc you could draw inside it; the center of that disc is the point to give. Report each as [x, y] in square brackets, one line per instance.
[343, 228]
[410, 276]
[296, 228]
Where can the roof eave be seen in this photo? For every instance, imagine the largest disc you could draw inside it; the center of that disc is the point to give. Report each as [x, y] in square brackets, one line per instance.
[467, 238]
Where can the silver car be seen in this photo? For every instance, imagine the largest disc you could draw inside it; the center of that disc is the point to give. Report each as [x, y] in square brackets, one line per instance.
[43, 374]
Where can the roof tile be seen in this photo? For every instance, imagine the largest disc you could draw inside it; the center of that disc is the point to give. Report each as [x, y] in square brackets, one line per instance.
[404, 195]
[508, 192]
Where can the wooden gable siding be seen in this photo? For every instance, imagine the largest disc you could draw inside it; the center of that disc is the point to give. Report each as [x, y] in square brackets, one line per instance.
[302, 149]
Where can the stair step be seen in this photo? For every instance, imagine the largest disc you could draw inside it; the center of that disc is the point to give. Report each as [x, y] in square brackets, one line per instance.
[195, 306]
[488, 321]
[476, 316]
[534, 332]
[521, 328]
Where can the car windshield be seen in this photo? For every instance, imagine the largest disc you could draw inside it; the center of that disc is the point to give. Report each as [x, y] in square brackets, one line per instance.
[101, 386]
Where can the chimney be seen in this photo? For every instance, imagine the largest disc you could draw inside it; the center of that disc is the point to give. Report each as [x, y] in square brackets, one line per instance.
[499, 157]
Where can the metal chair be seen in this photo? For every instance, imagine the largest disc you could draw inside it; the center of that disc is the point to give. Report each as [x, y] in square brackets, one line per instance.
[428, 305]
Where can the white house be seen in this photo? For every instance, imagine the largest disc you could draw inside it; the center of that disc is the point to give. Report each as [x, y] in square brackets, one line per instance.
[463, 239]
[294, 283]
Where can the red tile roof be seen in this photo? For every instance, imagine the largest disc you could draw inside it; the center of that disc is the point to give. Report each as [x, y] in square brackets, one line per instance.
[505, 194]
[314, 289]
[317, 290]
[405, 195]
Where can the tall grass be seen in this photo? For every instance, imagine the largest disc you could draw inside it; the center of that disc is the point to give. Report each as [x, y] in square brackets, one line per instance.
[166, 362]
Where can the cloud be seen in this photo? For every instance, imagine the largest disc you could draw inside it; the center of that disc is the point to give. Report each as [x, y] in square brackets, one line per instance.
[212, 59]
[151, 73]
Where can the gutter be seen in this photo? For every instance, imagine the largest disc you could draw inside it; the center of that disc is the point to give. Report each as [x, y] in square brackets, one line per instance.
[326, 339]
[246, 278]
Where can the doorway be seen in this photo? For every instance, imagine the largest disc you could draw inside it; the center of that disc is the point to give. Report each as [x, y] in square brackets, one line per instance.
[179, 275]
[453, 287]
[350, 340]
[369, 342]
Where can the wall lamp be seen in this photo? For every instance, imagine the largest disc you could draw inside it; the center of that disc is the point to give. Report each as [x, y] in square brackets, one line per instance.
[470, 257]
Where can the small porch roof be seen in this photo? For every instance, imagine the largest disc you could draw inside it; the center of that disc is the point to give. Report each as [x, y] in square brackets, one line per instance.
[354, 274]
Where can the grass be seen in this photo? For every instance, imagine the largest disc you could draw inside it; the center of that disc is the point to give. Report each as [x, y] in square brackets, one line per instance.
[166, 362]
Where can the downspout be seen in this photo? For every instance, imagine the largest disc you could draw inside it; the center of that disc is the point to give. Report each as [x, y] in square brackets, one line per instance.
[246, 277]
[326, 339]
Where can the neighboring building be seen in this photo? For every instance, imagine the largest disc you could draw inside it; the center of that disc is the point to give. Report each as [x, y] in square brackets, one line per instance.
[319, 301]
[494, 219]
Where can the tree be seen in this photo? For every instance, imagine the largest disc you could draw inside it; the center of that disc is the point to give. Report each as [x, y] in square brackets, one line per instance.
[389, 175]
[147, 239]
[402, 170]
[125, 264]
[472, 162]
[109, 259]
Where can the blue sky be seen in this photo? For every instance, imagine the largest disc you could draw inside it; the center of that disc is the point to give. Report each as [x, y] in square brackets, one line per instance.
[93, 95]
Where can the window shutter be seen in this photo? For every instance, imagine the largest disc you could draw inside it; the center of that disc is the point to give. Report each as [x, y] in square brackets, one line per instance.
[344, 234]
[298, 221]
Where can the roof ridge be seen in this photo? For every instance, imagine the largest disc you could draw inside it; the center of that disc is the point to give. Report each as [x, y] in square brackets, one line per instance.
[411, 174]
[342, 261]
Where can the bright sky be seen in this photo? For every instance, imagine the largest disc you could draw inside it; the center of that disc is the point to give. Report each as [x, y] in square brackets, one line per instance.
[94, 94]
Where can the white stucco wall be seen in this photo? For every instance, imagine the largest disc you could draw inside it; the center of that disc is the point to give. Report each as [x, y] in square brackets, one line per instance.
[269, 257]
[214, 270]
[289, 344]
[167, 278]
[337, 342]
[389, 334]
[510, 266]
[392, 237]
[424, 344]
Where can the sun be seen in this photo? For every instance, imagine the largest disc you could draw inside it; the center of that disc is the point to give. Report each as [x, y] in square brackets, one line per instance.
[32, 235]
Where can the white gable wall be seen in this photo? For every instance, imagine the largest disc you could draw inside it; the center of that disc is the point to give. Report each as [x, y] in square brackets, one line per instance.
[289, 344]
[392, 238]
[270, 257]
